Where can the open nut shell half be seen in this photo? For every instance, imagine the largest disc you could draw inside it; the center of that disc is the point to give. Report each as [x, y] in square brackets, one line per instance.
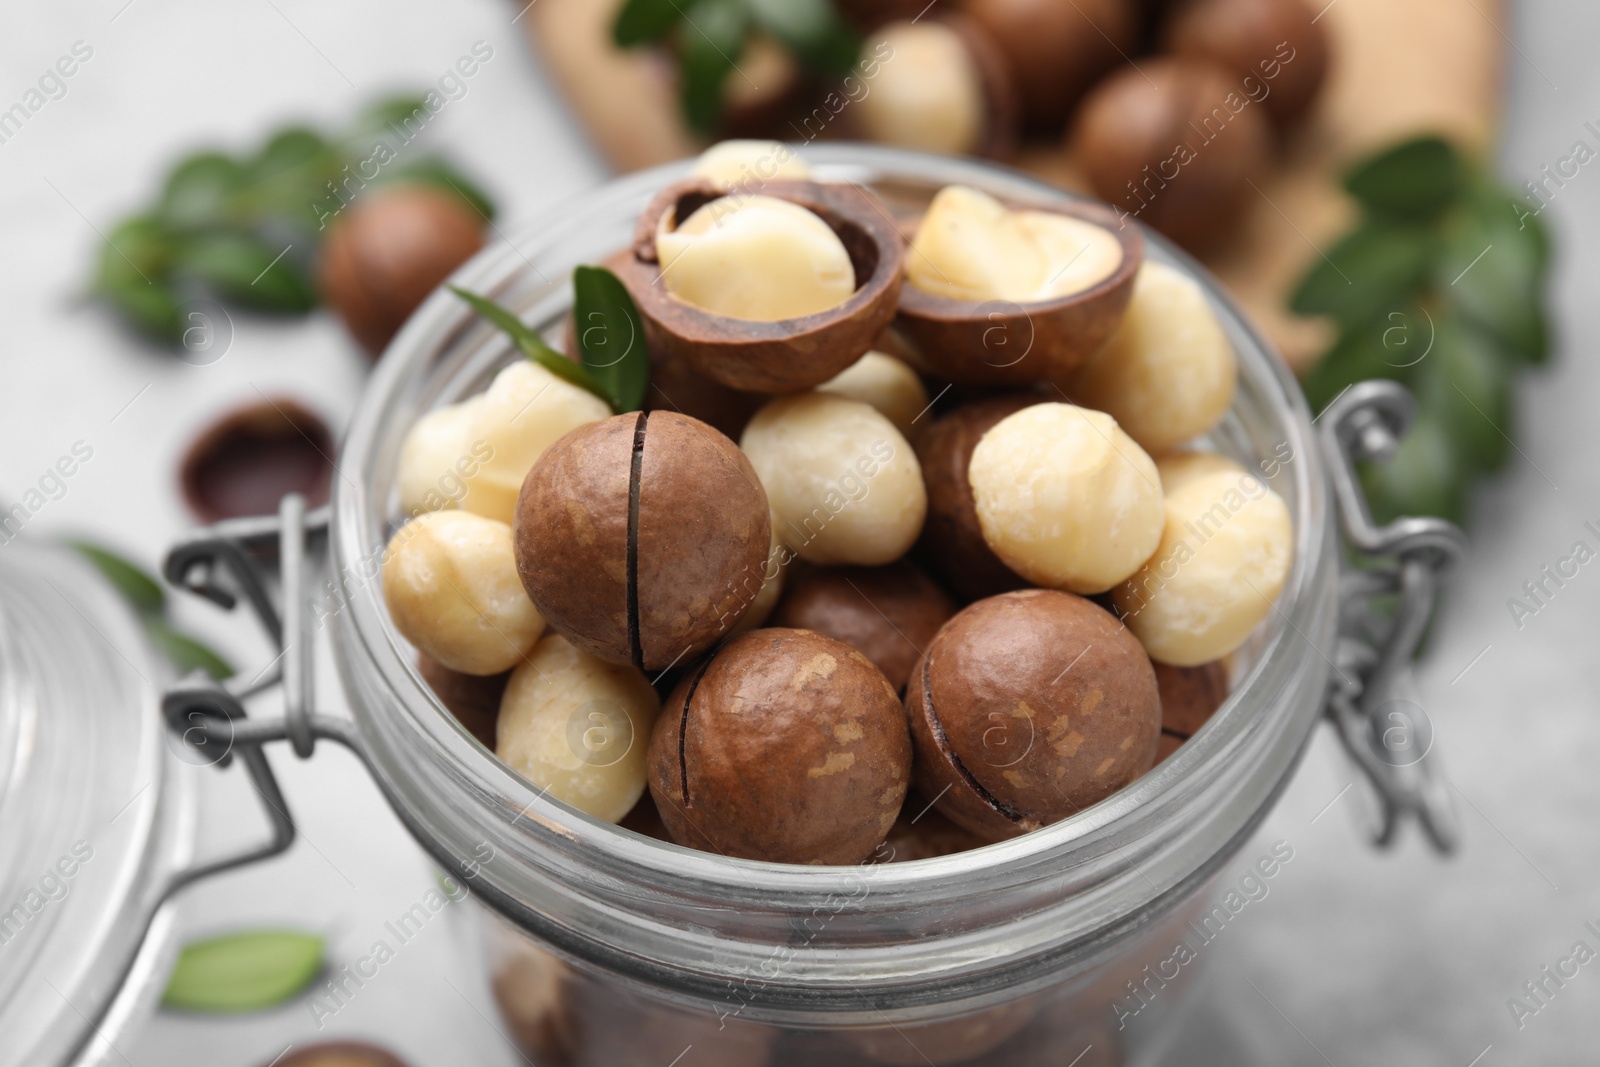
[1003, 342]
[791, 354]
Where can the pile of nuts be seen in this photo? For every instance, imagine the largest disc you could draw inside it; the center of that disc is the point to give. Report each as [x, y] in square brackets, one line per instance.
[790, 593]
[1168, 106]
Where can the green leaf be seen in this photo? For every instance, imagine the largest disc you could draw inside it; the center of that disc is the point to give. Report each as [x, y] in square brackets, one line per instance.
[248, 271]
[290, 149]
[243, 972]
[611, 341]
[1382, 348]
[1418, 179]
[643, 21]
[1465, 385]
[1425, 477]
[812, 30]
[200, 192]
[137, 586]
[187, 653]
[1493, 270]
[436, 171]
[531, 344]
[386, 120]
[152, 309]
[138, 251]
[1378, 263]
[712, 39]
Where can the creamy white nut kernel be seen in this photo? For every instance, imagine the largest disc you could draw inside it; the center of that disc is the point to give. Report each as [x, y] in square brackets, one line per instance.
[756, 258]
[745, 165]
[1225, 552]
[1065, 498]
[885, 383]
[523, 413]
[1168, 373]
[578, 727]
[843, 484]
[972, 247]
[438, 456]
[928, 95]
[1180, 468]
[451, 584]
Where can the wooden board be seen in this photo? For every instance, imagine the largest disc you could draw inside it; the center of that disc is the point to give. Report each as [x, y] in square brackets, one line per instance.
[1399, 67]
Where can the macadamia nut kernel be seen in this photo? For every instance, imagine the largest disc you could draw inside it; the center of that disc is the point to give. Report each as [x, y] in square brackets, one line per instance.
[843, 483]
[1065, 498]
[1168, 373]
[1180, 468]
[438, 456]
[524, 412]
[578, 727]
[757, 258]
[929, 96]
[451, 584]
[742, 164]
[972, 247]
[1224, 556]
[885, 383]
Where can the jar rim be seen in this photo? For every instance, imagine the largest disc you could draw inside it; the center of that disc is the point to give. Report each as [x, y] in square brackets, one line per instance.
[553, 855]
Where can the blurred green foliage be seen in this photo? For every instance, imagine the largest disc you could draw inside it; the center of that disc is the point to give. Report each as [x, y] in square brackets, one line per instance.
[1440, 286]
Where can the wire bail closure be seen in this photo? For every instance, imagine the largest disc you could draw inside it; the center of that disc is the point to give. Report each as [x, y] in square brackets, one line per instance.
[1401, 564]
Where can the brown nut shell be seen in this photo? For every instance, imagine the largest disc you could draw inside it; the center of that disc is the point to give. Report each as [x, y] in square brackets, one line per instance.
[1029, 707]
[888, 613]
[246, 461]
[791, 354]
[474, 699]
[1161, 144]
[1003, 342]
[388, 251]
[1276, 43]
[785, 746]
[1189, 697]
[952, 543]
[633, 535]
[339, 1054]
[921, 833]
[1056, 49]
[1002, 108]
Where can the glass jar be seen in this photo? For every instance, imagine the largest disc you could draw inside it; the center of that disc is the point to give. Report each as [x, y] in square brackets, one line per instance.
[98, 810]
[614, 948]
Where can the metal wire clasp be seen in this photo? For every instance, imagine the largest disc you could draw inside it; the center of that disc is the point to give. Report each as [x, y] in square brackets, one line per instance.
[265, 562]
[1386, 601]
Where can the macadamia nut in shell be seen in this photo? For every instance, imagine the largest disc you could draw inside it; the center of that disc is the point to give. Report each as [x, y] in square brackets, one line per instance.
[844, 484]
[1224, 556]
[1065, 498]
[578, 728]
[785, 746]
[451, 585]
[1029, 707]
[642, 537]
[1168, 373]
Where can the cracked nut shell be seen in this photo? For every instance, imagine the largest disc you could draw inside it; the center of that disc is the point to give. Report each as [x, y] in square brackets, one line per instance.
[785, 746]
[1028, 708]
[635, 535]
[952, 543]
[1006, 342]
[888, 614]
[788, 355]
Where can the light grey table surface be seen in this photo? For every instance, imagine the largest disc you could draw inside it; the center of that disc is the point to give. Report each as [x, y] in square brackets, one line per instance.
[1354, 957]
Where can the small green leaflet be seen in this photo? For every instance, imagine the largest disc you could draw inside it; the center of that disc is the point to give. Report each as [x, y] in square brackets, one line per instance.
[1418, 179]
[243, 972]
[531, 344]
[614, 358]
[643, 21]
[611, 339]
[137, 587]
[146, 596]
